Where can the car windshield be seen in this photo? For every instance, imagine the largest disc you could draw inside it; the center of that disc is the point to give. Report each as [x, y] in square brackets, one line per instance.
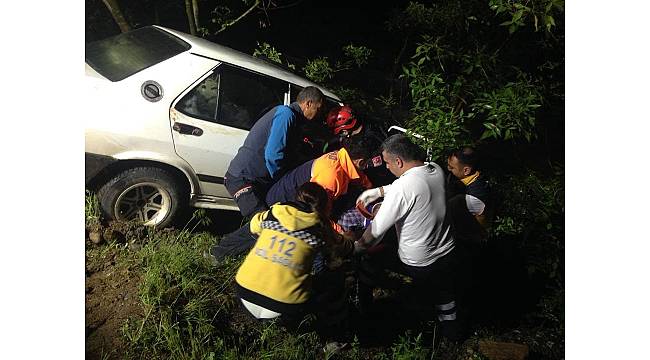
[123, 55]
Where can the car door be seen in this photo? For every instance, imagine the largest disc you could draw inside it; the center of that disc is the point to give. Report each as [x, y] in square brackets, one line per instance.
[211, 120]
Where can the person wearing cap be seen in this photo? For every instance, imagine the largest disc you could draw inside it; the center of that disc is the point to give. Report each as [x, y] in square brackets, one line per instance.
[343, 124]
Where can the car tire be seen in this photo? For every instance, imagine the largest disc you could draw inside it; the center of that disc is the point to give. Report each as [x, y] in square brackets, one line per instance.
[150, 195]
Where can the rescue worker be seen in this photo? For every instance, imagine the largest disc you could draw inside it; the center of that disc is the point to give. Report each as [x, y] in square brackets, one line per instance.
[343, 124]
[414, 204]
[264, 156]
[262, 159]
[334, 171]
[469, 209]
[468, 196]
[275, 278]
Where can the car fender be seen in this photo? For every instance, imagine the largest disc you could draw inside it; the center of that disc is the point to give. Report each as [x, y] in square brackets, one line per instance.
[173, 161]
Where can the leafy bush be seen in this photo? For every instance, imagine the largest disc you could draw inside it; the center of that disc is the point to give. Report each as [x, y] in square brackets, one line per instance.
[319, 70]
[359, 54]
[433, 115]
[268, 51]
[532, 209]
[509, 111]
[522, 11]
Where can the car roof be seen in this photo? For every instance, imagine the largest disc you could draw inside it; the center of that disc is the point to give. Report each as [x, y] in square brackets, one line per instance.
[225, 54]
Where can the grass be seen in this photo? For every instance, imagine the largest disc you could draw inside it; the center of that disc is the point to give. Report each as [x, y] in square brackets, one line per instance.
[190, 311]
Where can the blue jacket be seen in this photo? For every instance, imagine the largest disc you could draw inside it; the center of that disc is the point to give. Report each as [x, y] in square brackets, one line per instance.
[265, 153]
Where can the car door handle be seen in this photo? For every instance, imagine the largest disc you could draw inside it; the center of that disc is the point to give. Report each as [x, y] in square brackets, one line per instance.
[187, 129]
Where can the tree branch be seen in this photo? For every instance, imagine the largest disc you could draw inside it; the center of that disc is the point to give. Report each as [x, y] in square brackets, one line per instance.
[195, 9]
[114, 9]
[232, 22]
[190, 16]
[285, 6]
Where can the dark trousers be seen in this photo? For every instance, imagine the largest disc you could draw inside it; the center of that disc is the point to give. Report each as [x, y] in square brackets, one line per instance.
[433, 285]
[249, 194]
[235, 243]
[469, 237]
[328, 302]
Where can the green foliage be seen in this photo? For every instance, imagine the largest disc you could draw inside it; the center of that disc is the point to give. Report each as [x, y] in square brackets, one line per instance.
[525, 11]
[407, 348]
[415, 16]
[265, 50]
[455, 87]
[91, 209]
[387, 101]
[181, 297]
[532, 208]
[319, 70]
[509, 111]
[268, 51]
[275, 342]
[433, 114]
[359, 54]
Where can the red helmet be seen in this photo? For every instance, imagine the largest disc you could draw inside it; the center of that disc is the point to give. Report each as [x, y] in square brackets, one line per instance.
[341, 118]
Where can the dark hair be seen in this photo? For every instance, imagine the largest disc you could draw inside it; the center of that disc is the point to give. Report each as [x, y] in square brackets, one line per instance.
[358, 147]
[316, 197]
[313, 195]
[466, 156]
[400, 145]
[310, 93]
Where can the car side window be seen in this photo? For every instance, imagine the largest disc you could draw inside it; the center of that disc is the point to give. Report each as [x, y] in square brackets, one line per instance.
[233, 97]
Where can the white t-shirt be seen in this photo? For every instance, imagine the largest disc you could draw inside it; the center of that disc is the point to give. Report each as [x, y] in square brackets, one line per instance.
[416, 205]
[474, 205]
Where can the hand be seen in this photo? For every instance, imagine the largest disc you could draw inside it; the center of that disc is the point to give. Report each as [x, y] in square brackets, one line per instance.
[369, 196]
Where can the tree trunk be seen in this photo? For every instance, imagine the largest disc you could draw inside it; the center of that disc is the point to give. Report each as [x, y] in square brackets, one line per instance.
[114, 9]
[190, 16]
[195, 8]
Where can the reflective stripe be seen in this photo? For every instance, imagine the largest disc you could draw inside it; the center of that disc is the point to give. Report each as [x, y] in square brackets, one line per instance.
[443, 317]
[259, 312]
[447, 306]
[244, 189]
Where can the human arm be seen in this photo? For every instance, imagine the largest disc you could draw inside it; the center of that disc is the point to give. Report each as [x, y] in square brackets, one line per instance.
[372, 195]
[276, 144]
[256, 221]
[474, 205]
[393, 208]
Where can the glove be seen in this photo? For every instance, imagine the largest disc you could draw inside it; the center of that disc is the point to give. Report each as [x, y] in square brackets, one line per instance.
[370, 195]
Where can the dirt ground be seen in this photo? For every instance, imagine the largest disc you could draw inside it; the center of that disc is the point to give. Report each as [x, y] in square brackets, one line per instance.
[111, 298]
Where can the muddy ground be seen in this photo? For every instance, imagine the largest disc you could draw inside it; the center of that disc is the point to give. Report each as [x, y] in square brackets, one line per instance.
[111, 298]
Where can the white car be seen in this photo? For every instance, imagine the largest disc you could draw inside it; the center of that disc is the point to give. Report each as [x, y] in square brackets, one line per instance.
[166, 113]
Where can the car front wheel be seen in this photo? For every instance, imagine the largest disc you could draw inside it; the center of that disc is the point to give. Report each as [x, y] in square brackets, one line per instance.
[149, 195]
